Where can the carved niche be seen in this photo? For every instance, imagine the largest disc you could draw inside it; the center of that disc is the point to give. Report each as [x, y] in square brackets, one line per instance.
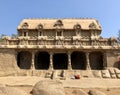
[92, 25]
[58, 23]
[25, 25]
[77, 28]
[59, 32]
[40, 29]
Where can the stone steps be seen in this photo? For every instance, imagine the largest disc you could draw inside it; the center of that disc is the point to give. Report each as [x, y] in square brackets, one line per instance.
[112, 73]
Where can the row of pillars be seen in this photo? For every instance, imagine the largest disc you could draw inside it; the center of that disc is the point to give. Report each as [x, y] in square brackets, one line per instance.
[69, 61]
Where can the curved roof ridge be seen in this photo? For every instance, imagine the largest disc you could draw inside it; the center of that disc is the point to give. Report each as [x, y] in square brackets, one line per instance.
[61, 18]
[68, 22]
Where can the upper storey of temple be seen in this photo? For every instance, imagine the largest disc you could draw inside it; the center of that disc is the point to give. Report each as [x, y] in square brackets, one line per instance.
[68, 33]
[83, 24]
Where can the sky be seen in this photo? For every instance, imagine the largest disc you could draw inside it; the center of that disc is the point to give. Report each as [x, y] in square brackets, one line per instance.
[107, 12]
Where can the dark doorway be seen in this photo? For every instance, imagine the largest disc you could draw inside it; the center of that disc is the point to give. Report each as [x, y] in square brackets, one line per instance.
[60, 61]
[42, 60]
[78, 60]
[96, 60]
[24, 60]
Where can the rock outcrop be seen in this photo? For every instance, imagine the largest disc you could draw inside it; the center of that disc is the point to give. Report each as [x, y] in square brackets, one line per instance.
[11, 91]
[79, 92]
[51, 87]
[95, 92]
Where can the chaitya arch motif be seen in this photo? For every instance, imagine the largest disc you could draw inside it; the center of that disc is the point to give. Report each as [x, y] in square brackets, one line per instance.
[92, 25]
[25, 25]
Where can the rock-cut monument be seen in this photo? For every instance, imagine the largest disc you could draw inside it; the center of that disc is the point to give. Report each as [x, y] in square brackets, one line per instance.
[60, 47]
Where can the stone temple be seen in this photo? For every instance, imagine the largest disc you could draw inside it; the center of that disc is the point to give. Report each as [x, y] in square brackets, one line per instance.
[66, 46]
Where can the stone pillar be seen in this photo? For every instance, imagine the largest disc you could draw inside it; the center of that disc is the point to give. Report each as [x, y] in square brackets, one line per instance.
[27, 33]
[69, 61]
[104, 61]
[33, 62]
[51, 61]
[80, 33]
[87, 61]
[38, 33]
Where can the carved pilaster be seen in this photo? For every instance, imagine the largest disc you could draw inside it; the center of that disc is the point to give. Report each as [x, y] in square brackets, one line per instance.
[26, 41]
[87, 61]
[104, 60]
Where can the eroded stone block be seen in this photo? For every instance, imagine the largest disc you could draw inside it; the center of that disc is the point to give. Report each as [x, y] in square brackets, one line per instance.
[105, 74]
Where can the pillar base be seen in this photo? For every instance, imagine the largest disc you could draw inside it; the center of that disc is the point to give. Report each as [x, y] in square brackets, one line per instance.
[32, 67]
[69, 67]
[51, 67]
[88, 67]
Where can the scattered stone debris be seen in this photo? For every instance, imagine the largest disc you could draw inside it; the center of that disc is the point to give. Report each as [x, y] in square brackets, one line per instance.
[95, 92]
[117, 71]
[112, 73]
[105, 74]
[48, 75]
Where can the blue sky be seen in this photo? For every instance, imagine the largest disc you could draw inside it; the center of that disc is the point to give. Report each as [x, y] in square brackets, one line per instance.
[106, 11]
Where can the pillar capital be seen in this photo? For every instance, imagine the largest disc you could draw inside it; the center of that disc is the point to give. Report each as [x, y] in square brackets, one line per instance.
[69, 52]
[51, 53]
[87, 54]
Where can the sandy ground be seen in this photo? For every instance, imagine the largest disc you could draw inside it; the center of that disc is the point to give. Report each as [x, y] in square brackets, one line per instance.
[68, 91]
[108, 86]
[111, 91]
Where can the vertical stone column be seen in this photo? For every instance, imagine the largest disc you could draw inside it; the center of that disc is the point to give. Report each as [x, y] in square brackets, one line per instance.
[27, 33]
[51, 61]
[38, 33]
[69, 61]
[33, 62]
[87, 61]
[27, 38]
[104, 61]
[80, 33]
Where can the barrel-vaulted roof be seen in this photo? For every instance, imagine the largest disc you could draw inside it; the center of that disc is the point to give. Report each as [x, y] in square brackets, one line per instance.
[66, 23]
